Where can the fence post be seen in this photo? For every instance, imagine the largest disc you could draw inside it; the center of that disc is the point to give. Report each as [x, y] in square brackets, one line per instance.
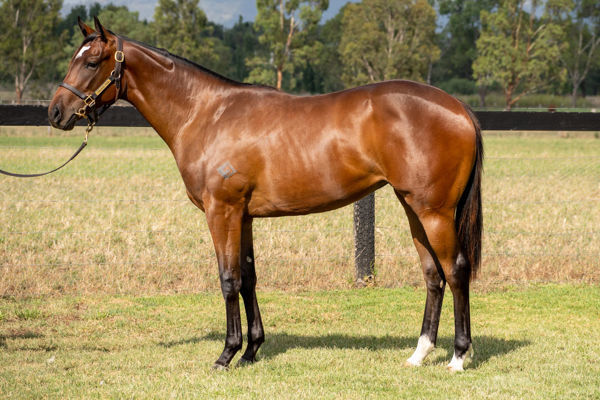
[364, 239]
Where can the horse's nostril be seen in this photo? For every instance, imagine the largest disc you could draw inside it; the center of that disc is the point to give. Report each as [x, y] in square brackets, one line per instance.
[56, 114]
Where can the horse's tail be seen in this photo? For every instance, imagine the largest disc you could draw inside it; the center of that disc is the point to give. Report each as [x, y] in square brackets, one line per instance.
[469, 216]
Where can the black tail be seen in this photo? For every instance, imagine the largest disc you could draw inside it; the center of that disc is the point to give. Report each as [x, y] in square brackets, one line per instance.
[469, 216]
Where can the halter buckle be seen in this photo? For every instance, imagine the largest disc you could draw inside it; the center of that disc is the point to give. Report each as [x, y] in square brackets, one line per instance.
[89, 101]
[119, 56]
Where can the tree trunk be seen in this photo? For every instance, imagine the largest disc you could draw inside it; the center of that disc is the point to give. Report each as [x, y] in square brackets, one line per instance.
[574, 96]
[19, 94]
[279, 77]
[508, 98]
[482, 92]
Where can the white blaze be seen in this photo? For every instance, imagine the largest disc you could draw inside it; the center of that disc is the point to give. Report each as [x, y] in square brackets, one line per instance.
[81, 51]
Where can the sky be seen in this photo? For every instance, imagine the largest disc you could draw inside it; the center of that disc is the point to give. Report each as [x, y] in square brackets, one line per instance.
[225, 12]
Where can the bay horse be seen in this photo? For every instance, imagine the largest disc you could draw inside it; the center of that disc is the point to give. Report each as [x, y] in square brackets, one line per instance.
[247, 151]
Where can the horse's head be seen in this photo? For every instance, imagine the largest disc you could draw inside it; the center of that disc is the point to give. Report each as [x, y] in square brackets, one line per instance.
[92, 81]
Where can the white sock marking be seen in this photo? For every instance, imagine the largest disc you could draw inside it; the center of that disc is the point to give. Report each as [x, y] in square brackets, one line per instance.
[456, 364]
[424, 347]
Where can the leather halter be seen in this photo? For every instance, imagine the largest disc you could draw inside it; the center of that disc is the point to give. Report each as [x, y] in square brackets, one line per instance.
[89, 101]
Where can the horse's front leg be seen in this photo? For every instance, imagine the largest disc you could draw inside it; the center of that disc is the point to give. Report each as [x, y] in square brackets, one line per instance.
[225, 224]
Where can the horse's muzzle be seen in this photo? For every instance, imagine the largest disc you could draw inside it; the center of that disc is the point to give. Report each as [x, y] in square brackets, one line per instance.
[56, 117]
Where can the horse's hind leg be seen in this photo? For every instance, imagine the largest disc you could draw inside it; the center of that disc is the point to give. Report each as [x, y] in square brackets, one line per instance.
[443, 252]
[435, 289]
[256, 334]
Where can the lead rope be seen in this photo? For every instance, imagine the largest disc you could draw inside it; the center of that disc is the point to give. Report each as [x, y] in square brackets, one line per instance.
[88, 129]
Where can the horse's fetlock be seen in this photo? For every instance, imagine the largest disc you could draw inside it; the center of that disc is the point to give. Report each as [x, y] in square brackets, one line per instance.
[461, 346]
[234, 343]
[257, 336]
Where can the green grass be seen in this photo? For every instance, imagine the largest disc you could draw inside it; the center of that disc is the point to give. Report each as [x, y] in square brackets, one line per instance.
[536, 343]
[117, 220]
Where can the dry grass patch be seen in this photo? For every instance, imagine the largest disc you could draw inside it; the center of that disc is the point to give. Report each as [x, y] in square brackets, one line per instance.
[117, 220]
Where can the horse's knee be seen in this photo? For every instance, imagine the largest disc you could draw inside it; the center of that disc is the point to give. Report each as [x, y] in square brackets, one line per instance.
[230, 285]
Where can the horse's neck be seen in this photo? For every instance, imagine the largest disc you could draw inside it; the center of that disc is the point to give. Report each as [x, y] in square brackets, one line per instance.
[166, 91]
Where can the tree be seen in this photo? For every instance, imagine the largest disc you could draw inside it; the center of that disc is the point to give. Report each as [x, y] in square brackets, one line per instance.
[182, 27]
[124, 22]
[69, 22]
[453, 72]
[284, 26]
[580, 20]
[243, 42]
[322, 71]
[27, 39]
[387, 39]
[459, 36]
[517, 50]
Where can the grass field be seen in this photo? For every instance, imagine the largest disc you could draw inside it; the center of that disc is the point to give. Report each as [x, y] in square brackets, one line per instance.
[538, 343]
[109, 288]
[117, 220]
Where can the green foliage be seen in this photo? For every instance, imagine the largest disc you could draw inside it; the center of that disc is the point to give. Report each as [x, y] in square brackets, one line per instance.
[517, 50]
[243, 42]
[286, 32]
[580, 21]
[289, 46]
[384, 39]
[182, 28]
[457, 39]
[28, 41]
[458, 86]
[126, 23]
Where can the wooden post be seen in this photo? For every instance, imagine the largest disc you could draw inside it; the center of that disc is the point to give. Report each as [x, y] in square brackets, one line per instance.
[364, 239]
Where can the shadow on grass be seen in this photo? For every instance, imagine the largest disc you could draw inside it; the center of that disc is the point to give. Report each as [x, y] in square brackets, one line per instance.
[485, 347]
[19, 334]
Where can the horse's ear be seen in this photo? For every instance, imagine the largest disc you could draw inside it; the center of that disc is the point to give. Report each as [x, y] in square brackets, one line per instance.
[86, 30]
[100, 28]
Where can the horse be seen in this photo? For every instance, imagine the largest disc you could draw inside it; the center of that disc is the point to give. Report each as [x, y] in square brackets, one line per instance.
[247, 151]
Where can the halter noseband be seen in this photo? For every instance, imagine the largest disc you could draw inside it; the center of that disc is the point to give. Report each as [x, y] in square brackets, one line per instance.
[89, 101]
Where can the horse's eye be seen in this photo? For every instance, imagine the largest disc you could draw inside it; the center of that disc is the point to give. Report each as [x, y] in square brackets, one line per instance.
[91, 65]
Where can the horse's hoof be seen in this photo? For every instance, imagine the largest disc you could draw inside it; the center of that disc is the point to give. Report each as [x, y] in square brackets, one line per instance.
[220, 367]
[454, 368]
[244, 362]
[456, 365]
[411, 364]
